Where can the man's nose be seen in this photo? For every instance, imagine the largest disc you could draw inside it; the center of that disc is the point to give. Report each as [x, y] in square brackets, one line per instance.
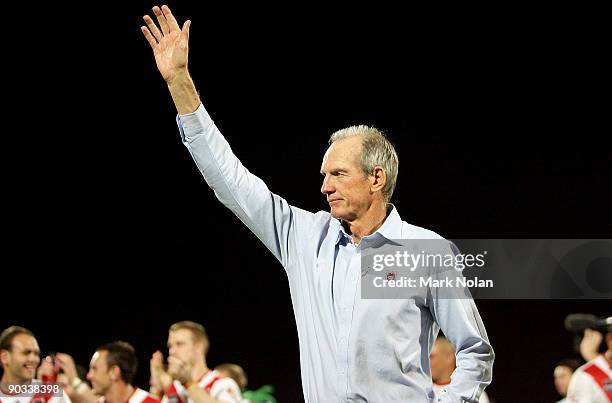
[327, 187]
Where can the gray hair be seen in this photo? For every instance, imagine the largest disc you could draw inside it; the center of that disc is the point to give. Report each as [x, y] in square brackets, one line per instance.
[376, 150]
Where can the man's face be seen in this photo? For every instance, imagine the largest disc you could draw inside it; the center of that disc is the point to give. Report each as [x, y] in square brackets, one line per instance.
[21, 361]
[182, 346]
[441, 361]
[562, 376]
[346, 187]
[99, 373]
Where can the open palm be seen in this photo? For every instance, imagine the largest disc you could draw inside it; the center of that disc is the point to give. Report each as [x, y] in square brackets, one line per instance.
[170, 44]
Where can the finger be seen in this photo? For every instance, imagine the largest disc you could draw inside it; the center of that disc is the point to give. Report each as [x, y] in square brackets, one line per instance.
[172, 24]
[149, 37]
[62, 380]
[62, 360]
[153, 28]
[185, 30]
[161, 19]
[63, 357]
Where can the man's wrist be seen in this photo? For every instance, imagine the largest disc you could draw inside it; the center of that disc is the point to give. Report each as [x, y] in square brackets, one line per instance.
[181, 76]
[184, 93]
[78, 385]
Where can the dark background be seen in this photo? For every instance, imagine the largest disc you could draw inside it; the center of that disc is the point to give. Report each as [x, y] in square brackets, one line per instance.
[111, 233]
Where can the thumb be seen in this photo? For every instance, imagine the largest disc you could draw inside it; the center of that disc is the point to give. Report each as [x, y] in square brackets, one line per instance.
[185, 30]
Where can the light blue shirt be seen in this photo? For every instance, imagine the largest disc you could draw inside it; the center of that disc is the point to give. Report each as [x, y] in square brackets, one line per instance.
[351, 349]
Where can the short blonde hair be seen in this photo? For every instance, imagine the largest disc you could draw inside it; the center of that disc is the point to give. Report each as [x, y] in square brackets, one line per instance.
[198, 333]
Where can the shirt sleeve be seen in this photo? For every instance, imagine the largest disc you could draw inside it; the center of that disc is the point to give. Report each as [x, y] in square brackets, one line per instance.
[226, 390]
[267, 215]
[457, 315]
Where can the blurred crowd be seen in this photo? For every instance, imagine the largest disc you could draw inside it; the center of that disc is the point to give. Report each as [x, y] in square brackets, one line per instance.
[182, 377]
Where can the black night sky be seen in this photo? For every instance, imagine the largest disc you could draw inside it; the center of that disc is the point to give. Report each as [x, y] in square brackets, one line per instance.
[111, 233]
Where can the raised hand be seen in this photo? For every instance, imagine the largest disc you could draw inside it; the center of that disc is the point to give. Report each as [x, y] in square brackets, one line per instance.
[169, 42]
[589, 346]
[160, 380]
[46, 369]
[67, 365]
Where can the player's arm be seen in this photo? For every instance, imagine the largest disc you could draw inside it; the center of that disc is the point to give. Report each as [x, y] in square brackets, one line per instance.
[269, 216]
[160, 380]
[589, 346]
[170, 45]
[79, 391]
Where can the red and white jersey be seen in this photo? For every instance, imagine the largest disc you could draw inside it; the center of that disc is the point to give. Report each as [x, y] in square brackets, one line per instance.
[440, 390]
[220, 388]
[39, 398]
[138, 396]
[591, 383]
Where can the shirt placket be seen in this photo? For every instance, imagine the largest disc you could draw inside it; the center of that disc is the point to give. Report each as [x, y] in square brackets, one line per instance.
[347, 303]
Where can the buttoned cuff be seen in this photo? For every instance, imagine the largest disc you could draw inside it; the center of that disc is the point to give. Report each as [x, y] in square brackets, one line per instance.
[194, 124]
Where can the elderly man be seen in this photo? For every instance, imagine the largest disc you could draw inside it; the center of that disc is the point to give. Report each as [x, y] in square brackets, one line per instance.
[351, 348]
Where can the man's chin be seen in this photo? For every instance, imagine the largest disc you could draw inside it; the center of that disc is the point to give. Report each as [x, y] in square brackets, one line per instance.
[27, 376]
[336, 213]
[341, 214]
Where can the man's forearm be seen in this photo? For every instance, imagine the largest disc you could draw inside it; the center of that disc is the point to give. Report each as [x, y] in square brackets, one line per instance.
[82, 393]
[184, 94]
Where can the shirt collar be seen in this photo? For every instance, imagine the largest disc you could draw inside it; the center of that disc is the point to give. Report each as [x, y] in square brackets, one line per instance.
[390, 229]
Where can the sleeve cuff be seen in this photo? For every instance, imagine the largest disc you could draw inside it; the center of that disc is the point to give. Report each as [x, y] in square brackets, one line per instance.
[194, 124]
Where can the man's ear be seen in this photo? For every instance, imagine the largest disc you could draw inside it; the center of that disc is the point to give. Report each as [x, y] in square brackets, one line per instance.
[115, 373]
[4, 357]
[378, 179]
